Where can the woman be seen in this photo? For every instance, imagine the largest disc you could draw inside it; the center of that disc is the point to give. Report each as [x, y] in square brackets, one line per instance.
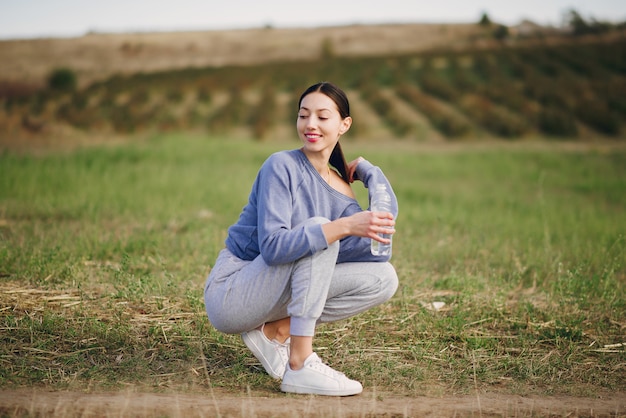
[299, 255]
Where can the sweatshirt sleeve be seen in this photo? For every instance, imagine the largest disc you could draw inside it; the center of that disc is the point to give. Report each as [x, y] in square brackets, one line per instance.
[279, 243]
[358, 248]
[372, 175]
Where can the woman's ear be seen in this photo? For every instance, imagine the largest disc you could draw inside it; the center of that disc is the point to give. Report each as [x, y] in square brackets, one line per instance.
[345, 125]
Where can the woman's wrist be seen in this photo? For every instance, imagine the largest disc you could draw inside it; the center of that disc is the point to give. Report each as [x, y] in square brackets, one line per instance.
[336, 230]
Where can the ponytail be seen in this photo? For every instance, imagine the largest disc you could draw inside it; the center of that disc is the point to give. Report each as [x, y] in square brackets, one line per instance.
[338, 161]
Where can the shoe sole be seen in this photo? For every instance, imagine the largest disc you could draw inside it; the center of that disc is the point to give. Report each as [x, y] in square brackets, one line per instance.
[259, 356]
[315, 391]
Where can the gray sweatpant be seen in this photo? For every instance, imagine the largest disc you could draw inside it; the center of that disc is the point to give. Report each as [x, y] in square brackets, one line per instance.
[240, 295]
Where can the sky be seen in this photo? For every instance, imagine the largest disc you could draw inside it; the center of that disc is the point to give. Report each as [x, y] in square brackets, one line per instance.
[20, 19]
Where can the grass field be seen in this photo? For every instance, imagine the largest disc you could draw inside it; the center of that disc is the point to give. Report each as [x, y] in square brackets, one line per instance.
[104, 252]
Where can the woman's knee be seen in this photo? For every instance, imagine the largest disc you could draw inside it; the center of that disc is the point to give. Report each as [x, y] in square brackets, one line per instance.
[225, 324]
[389, 281]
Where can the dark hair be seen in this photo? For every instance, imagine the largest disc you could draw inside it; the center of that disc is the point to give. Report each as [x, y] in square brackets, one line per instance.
[334, 93]
[337, 95]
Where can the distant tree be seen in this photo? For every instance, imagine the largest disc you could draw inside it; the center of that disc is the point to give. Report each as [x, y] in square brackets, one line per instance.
[501, 32]
[582, 27]
[484, 20]
[601, 27]
[62, 79]
[577, 22]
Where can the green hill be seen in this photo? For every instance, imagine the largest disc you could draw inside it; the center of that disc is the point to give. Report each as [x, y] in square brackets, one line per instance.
[575, 88]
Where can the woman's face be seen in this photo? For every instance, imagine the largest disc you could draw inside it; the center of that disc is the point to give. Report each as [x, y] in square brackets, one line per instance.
[319, 123]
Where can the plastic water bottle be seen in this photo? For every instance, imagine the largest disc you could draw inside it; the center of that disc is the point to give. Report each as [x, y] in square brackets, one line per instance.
[381, 202]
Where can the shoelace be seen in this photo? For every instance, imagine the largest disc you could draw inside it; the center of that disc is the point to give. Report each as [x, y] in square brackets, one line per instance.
[282, 350]
[324, 368]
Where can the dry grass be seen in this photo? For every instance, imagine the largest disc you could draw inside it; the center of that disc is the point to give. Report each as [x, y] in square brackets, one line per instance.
[98, 56]
[15, 297]
[201, 398]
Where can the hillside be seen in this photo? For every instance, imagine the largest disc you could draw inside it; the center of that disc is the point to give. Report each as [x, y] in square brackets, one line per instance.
[418, 82]
[97, 56]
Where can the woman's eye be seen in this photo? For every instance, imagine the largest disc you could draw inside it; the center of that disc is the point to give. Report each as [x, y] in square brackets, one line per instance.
[323, 118]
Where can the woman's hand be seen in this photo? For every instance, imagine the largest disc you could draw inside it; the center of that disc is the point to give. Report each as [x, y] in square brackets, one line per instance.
[352, 168]
[371, 224]
[362, 224]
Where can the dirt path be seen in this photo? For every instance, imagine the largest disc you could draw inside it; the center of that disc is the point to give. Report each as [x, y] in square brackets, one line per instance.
[32, 402]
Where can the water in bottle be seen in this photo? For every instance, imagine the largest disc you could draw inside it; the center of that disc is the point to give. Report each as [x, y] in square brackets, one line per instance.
[381, 202]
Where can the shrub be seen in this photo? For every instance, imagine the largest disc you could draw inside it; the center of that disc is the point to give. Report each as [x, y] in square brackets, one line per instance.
[611, 56]
[597, 115]
[62, 79]
[615, 93]
[486, 67]
[578, 61]
[444, 120]
[437, 86]
[121, 119]
[494, 118]
[231, 114]
[464, 79]
[203, 95]
[262, 116]
[175, 95]
[555, 122]
[80, 101]
[139, 97]
[398, 125]
[506, 93]
[38, 103]
[548, 92]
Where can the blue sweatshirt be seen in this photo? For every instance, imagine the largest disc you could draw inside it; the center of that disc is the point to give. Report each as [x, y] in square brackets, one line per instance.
[288, 191]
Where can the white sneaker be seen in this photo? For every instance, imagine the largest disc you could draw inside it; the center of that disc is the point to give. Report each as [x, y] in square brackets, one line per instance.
[319, 379]
[273, 355]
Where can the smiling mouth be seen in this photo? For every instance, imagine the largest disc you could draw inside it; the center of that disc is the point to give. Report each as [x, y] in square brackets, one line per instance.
[312, 137]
